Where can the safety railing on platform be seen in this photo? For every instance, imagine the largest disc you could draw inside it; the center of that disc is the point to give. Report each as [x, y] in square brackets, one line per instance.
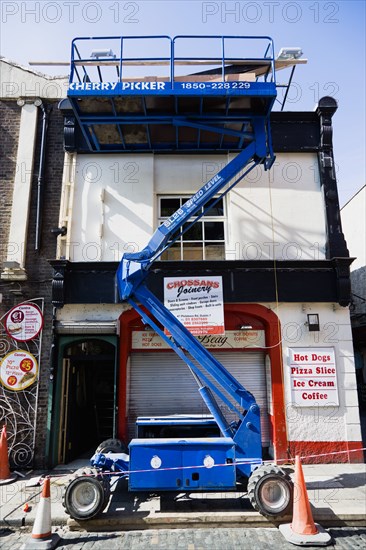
[204, 58]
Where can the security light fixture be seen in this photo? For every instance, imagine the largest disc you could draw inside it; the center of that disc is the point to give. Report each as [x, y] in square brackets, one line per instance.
[245, 327]
[37, 102]
[102, 53]
[20, 102]
[59, 231]
[289, 53]
[313, 322]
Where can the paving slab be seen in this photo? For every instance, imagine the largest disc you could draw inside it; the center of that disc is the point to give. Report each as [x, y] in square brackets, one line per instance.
[337, 493]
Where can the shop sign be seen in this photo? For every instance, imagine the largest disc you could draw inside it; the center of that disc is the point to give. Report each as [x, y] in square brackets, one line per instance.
[313, 377]
[24, 322]
[18, 370]
[150, 340]
[197, 302]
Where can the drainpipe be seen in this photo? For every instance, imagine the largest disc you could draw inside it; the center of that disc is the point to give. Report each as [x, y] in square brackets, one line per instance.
[40, 184]
[50, 441]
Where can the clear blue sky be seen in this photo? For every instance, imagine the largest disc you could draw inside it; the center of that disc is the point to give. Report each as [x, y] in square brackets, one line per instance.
[331, 34]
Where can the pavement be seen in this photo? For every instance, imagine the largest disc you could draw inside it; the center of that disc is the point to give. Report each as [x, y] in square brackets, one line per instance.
[234, 538]
[337, 493]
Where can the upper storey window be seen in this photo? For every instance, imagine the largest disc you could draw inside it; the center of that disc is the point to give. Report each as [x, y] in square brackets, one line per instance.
[205, 240]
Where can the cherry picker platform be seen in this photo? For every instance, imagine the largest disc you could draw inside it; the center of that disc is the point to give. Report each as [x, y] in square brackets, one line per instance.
[226, 106]
[155, 93]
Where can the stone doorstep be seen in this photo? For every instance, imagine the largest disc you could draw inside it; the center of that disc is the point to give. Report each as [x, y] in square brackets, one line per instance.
[171, 521]
[214, 519]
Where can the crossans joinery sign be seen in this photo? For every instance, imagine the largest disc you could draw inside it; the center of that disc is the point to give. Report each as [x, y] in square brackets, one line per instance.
[197, 302]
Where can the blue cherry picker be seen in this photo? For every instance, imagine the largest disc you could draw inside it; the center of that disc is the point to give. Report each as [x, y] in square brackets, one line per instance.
[200, 463]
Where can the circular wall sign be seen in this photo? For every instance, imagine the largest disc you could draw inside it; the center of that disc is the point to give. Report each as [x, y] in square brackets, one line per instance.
[18, 370]
[24, 322]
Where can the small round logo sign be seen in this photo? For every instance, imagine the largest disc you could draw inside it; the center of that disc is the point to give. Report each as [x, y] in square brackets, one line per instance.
[24, 322]
[155, 462]
[208, 461]
[18, 370]
[12, 380]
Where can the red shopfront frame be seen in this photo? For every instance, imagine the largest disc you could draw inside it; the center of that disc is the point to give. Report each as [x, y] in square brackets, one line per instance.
[235, 315]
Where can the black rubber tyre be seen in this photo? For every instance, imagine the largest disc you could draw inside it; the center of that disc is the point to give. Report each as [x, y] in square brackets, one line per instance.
[87, 494]
[270, 491]
[111, 446]
[107, 490]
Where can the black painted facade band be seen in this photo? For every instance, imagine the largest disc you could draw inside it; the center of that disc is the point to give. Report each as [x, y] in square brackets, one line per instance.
[244, 281]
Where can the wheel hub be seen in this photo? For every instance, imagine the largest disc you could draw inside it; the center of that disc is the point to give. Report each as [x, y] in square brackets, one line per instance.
[274, 495]
[84, 496]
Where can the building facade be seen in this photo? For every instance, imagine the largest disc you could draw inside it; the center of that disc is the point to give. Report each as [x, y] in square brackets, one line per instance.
[275, 239]
[32, 159]
[354, 222]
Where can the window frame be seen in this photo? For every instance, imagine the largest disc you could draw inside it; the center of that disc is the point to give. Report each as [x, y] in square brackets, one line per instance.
[205, 218]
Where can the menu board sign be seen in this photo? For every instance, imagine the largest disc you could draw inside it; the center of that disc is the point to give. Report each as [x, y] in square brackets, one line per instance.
[24, 322]
[18, 370]
[313, 377]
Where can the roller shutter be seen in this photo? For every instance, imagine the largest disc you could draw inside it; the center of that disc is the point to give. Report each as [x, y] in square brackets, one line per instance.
[161, 384]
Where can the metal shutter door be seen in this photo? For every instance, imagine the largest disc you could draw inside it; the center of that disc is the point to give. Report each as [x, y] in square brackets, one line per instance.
[161, 384]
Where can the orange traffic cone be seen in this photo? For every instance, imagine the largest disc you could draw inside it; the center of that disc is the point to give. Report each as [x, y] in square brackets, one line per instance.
[303, 531]
[5, 475]
[42, 536]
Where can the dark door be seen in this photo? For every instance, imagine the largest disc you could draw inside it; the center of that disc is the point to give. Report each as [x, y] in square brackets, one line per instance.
[88, 398]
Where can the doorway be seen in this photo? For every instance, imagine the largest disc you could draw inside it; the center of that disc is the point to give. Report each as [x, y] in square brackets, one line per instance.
[87, 393]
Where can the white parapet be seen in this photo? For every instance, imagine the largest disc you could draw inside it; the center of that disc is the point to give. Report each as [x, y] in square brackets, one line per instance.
[14, 266]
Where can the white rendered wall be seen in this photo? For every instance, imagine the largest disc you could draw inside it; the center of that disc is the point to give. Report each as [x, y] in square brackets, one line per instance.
[354, 228]
[333, 423]
[91, 312]
[271, 214]
[17, 81]
[279, 213]
[113, 206]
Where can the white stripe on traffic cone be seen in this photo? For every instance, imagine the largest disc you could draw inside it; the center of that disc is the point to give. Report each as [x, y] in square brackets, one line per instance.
[42, 527]
[42, 537]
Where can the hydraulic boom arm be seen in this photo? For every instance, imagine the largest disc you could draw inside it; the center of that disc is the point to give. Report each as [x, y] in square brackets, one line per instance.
[134, 268]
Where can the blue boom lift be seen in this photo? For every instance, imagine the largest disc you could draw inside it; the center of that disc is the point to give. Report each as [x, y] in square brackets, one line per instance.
[201, 463]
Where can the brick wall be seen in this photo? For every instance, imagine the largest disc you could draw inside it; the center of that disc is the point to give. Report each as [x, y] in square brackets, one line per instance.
[38, 269]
